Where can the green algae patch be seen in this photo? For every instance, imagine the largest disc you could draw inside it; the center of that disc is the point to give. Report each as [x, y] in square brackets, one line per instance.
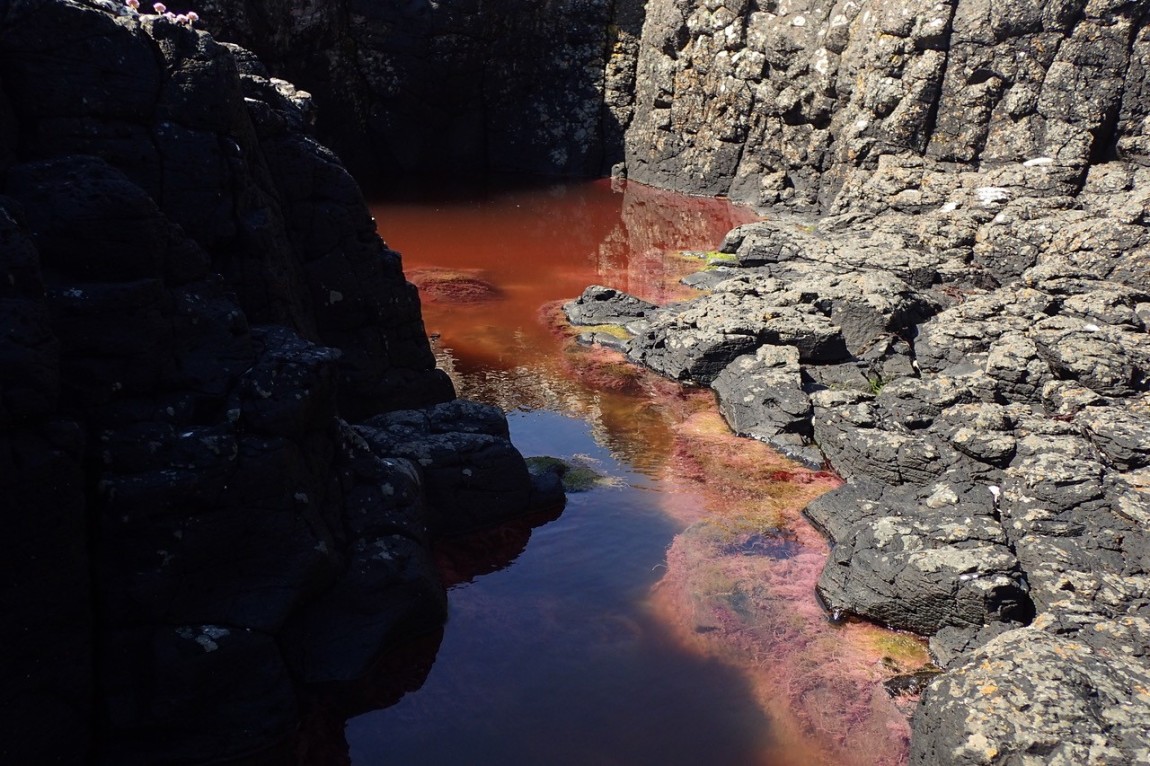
[715, 259]
[614, 330]
[576, 473]
[900, 651]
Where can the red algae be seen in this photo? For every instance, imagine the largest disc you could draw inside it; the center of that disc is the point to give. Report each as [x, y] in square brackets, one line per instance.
[740, 586]
[453, 285]
[738, 590]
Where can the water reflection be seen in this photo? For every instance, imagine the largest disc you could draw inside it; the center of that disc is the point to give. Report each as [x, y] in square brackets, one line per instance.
[669, 619]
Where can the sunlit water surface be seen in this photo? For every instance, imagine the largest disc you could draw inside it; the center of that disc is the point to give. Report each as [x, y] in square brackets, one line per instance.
[578, 652]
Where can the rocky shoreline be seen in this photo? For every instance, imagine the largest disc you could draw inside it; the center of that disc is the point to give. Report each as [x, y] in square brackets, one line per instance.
[221, 428]
[980, 375]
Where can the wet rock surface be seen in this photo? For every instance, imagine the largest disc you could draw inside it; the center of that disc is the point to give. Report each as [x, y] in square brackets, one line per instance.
[193, 305]
[990, 418]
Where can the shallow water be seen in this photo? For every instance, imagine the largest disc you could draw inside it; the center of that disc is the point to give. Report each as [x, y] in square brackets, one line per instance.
[636, 627]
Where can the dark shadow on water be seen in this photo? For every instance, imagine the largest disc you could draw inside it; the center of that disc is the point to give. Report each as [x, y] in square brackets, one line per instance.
[437, 189]
[462, 559]
[402, 669]
[632, 705]
[404, 666]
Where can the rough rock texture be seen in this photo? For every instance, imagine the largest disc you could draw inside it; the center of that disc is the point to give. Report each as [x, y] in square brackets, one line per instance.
[796, 103]
[454, 86]
[799, 102]
[969, 317]
[192, 298]
[979, 372]
[1042, 698]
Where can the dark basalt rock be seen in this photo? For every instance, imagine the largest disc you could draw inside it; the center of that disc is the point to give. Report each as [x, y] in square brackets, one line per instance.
[455, 87]
[970, 318]
[474, 477]
[923, 560]
[1081, 702]
[603, 305]
[991, 436]
[192, 298]
[762, 396]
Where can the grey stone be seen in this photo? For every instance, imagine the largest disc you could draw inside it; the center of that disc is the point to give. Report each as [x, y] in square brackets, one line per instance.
[928, 559]
[761, 396]
[1028, 695]
[603, 305]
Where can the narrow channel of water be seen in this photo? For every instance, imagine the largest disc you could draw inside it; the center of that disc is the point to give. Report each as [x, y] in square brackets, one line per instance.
[667, 616]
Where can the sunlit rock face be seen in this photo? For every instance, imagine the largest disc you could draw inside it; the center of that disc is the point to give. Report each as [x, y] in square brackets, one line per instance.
[783, 102]
[767, 102]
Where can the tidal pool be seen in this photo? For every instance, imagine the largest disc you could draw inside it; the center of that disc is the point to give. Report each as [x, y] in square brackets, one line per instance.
[667, 616]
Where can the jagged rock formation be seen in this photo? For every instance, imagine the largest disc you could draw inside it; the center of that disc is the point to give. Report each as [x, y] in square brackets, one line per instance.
[980, 374]
[787, 101]
[454, 87]
[769, 102]
[964, 336]
[192, 299]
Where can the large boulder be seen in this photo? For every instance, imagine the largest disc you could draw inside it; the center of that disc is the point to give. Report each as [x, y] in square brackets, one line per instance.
[192, 298]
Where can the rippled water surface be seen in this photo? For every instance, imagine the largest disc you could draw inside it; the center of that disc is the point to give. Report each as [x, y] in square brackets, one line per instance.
[635, 628]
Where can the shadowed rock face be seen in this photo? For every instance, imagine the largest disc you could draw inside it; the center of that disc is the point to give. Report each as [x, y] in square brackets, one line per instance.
[192, 298]
[964, 337]
[457, 86]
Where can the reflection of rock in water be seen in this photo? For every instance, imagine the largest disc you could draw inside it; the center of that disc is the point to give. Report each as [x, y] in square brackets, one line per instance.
[462, 559]
[654, 222]
[633, 421]
[406, 664]
[454, 285]
[740, 583]
[402, 669]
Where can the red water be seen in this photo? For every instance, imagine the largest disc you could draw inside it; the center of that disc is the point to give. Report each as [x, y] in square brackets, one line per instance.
[546, 243]
[668, 616]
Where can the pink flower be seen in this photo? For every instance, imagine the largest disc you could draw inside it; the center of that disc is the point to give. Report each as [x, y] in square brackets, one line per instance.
[160, 8]
[133, 4]
[193, 17]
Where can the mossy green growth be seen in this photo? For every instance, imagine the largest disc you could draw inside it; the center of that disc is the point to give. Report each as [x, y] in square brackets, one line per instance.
[576, 475]
[716, 258]
[614, 330]
[901, 650]
[712, 258]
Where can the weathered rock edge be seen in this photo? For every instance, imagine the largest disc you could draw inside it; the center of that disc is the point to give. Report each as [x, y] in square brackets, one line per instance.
[979, 372]
[193, 301]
